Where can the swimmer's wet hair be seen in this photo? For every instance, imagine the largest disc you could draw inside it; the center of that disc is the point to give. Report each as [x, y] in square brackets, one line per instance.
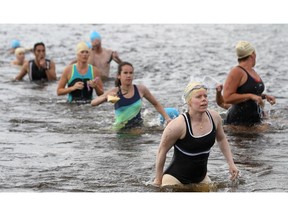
[38, 44]
[117, 81]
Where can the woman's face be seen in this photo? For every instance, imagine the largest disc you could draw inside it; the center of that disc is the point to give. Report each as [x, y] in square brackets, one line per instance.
[127, 74]
[39, 52]
[199, 100]
[83, 56]
[20, 56]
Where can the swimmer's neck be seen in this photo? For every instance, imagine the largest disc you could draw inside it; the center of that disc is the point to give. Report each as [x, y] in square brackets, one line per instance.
[81, 65]
[197, 116]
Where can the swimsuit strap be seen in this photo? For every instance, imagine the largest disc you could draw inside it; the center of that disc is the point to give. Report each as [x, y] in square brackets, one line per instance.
[249, 74]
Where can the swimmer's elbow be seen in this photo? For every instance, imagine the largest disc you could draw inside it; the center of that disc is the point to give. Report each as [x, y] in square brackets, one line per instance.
[94, 103]
[59, 92]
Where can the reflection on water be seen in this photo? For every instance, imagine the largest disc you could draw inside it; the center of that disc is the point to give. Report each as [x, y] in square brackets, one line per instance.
[49, 145]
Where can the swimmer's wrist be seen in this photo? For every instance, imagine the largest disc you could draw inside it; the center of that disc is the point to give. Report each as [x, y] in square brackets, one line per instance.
[263, 96]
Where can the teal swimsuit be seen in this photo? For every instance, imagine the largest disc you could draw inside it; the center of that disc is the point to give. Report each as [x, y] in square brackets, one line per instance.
[128, 111]
[85, 94]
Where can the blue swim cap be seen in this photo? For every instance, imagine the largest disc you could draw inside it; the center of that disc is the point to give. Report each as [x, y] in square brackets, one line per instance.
[172, 112]
[95, 35]
[15, 44]
[89, 44]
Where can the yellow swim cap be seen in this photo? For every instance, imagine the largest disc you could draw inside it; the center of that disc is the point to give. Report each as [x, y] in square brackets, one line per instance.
[19, 50]
[82, 46]
[191, 88]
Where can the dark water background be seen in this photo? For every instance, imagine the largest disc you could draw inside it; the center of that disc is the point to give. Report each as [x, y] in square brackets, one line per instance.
[47, 145]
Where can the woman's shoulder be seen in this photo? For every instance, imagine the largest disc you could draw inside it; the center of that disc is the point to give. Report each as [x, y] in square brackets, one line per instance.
[236, 70]
[68, 69]
[177, 123]
[215, 115]
[140, 87]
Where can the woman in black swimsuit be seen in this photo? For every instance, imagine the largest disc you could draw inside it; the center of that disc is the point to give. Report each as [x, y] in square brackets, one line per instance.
[192, 134]
[244, 89]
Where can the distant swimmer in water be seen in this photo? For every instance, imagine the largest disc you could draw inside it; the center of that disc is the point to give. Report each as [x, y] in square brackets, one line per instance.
[100, 56]
[192, 134]
[127, 99]
[16, 44]
[19, 57]
[81, 78]
[244, 88]
[40, 68]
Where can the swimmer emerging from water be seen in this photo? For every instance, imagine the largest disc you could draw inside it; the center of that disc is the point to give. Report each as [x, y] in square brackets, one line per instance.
[192, 134]
[16, 44]
[102, 57]
[20, 57]
[40, 68]
[243, 89]
[81, 78]
[128, 99]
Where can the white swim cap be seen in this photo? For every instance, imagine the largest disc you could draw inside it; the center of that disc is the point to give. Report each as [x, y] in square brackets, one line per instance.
[244, 49]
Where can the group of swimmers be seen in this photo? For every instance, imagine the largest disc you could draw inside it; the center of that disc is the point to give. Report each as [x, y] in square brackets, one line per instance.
[192, 134]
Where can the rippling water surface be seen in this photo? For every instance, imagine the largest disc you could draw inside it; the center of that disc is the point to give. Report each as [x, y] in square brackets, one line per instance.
[49, 145]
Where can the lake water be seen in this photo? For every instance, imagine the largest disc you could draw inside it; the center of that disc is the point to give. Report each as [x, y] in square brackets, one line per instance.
[47, 145]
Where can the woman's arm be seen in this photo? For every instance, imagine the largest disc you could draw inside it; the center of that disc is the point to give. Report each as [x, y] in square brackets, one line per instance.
[103, 98]
[97, 83]
[171, 134]
[51, 72]
[271, 99]
[147, 94]
[219, 97]
[61, 90]
[22, 73]
[236, 78]
[224, 145]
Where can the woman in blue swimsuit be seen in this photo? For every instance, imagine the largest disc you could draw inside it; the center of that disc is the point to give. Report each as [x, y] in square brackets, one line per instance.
[128, 102]
[192, 135]
[244, 89]
[81, 79]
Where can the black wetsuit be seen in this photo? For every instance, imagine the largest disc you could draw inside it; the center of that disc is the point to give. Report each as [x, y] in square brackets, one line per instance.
[189, 162]
[36, 73]
[248, 112]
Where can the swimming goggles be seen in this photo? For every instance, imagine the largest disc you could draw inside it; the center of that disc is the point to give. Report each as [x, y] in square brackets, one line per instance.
[197, 87]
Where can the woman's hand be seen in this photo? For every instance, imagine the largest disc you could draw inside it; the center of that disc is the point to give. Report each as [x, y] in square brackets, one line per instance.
[78, 85]
[157, 182]
[271, 99]
[92, 83]
[42, 63]
[234, 172]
